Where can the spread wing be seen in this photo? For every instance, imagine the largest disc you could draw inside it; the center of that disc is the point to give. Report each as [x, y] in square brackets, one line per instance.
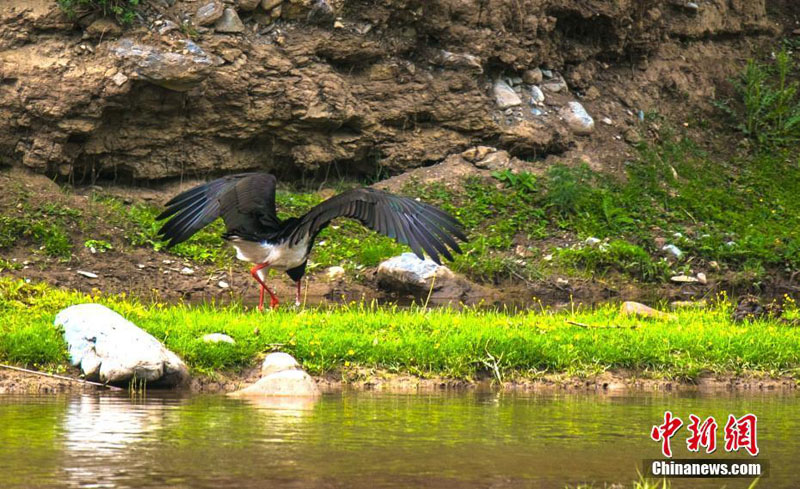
[421, 226]
[246, 202]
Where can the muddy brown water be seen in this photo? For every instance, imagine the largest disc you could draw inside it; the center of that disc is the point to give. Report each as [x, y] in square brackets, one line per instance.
[367, 440]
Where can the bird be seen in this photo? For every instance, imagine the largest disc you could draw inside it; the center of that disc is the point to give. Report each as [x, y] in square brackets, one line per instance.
[246, 204]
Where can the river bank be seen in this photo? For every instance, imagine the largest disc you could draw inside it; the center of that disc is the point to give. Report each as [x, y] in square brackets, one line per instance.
[374, 345]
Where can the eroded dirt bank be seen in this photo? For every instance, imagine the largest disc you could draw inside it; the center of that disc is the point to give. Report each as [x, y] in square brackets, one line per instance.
[371, 88]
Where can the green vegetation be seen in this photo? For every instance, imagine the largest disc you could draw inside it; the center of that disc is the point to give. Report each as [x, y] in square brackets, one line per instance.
[423, 342]
[124, 11]
[44, 225]
[645, 483]
[767, 109]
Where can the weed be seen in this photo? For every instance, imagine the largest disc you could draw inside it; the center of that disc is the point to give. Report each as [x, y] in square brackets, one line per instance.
[124, 11]
[98, 245]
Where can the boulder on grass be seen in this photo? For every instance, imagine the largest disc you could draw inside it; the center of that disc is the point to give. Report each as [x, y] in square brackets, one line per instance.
[109, 348]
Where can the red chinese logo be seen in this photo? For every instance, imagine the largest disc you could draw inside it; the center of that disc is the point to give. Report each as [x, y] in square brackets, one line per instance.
[665, 431]
[741, 433]
[703, 435]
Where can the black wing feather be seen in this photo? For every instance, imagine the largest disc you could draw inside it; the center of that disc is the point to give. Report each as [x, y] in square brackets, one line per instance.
[246, 202]
[423, 227]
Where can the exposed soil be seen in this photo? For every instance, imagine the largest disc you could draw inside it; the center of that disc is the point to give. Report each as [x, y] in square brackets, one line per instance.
[12, 382]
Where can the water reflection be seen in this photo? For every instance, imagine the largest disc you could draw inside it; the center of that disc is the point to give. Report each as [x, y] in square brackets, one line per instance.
[362, 440]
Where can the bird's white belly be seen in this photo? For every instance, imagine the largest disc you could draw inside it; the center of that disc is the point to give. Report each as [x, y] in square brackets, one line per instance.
[280, 257]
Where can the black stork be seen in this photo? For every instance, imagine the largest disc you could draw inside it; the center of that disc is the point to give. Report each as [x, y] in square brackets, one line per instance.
[246, 203]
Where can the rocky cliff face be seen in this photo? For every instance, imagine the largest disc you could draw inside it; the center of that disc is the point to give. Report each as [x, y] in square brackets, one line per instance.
[209, 86]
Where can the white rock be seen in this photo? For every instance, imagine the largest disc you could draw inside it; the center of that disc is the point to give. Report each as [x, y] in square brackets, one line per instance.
[110, 348]
[701, 277]
[409, 269]
[547, 257]
[278, 362]
[537, 95]
[504, 95]
[672, 250]
[334, 273]
[187, 271]
[86, 274]
[576, 117]
[607, 121]
[223, 284]
[119, 78]
[218, 338]
[591, 241]
[630, 308]
[684, 279]
[288, 383]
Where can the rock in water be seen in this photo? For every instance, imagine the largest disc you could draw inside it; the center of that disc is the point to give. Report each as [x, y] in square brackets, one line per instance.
[109, 348]
[282, 376]
[578, 120]
[229, 23]
[176, 71]
[504, 95]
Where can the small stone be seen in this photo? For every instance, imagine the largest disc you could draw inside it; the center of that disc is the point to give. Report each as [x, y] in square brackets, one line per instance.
[684, 279]
[536, 111]
[86, 274]
[276, 14]
[532, 77]
[701, 277]
[547, 257]
[577, 119]
[591, 241]
[247, 5]
[555, 86]
[208, 13]
[630, 308]
[187, 271]
[119, 78]
[607, 121]
[537, 96]
[103, 27]
[218, 338]
[631, 136]
[334, 273]
[504, 95]
[672, 250]
[270, 4]
[140, 266]
[692, 6]
[714, 265]
[547, 73]
[562, 282]
[223, 284]
[338, 24]
[229, 23]
[167, 27]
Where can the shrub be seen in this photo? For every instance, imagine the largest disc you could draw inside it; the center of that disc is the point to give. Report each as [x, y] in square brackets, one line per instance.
[123, 10]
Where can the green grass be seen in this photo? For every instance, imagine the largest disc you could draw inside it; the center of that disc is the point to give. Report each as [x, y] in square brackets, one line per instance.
[45, 226]
[124, 11]
[422, 342]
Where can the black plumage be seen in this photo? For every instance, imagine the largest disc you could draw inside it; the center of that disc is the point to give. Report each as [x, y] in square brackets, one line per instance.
[246, 203]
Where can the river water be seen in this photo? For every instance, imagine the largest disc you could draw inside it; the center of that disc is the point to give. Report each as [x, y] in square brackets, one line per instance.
[369, 440]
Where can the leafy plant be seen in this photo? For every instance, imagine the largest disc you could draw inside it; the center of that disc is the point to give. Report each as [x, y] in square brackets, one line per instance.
[123, 10]
[767, 109]
[98, 245]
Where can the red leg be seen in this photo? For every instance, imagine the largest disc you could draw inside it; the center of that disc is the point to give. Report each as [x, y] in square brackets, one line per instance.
[273, 299]
[297, 295]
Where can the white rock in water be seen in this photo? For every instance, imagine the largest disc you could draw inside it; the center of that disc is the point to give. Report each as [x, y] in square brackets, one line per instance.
[672, 250]
[334, 273]
[537, 95]
[289, 383]
[504, 95]
[110, 348]
[278, 362]
[578, 120]
[218, 338]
